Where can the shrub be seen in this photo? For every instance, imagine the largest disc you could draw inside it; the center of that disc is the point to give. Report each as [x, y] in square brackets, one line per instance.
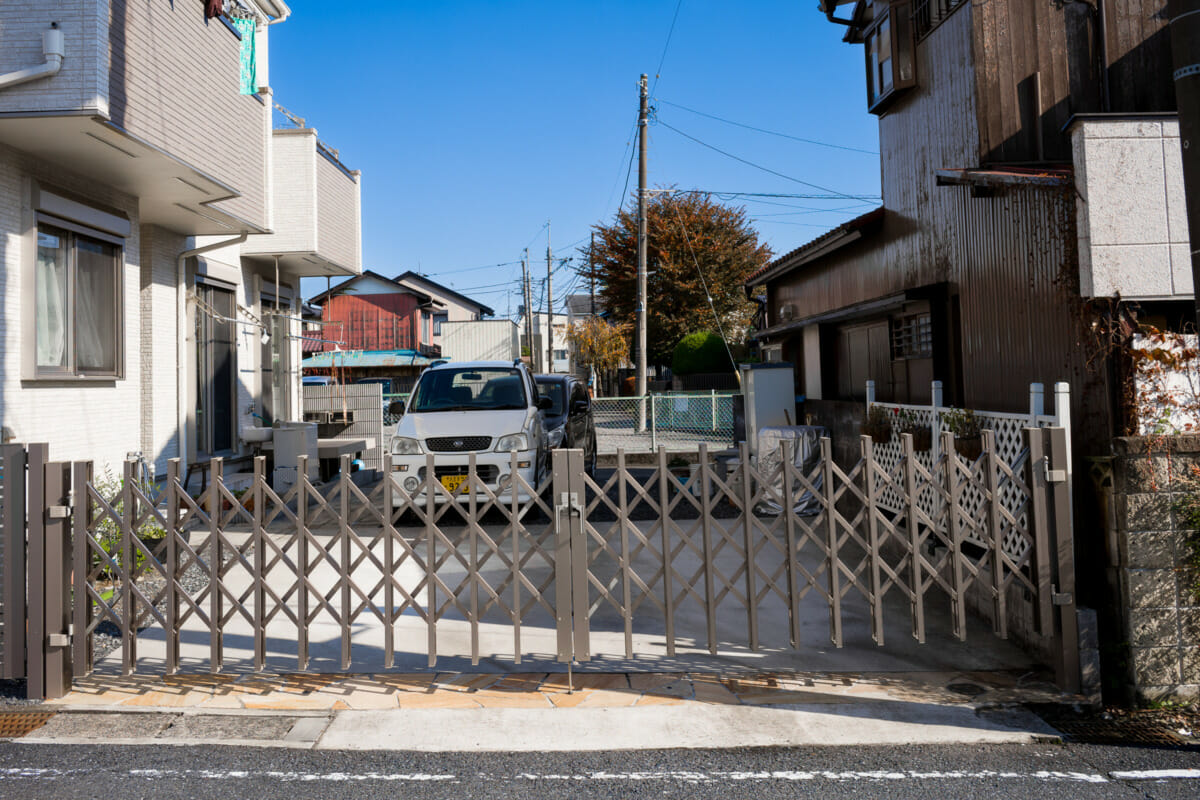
[702, 351]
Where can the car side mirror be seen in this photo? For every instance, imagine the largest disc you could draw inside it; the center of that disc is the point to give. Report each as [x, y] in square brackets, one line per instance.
[545, 403]
[581, 406]
[396, 408]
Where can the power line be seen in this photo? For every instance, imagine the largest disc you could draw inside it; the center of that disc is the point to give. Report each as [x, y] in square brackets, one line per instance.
[727, 195]
[757, 166]
[663, 58]
[764, 130]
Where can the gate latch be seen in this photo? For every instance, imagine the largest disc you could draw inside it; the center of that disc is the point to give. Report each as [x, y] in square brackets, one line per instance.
[568, 502]
[59, 640]
[59, 512]
[1054, 475]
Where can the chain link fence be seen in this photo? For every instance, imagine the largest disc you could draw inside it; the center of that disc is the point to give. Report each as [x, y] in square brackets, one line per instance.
[678, 421]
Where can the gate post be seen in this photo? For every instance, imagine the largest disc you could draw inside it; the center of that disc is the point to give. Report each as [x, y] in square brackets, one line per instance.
[12, 521]
[1066, 665]
[35, 629]
[57, 559]
[570, 557]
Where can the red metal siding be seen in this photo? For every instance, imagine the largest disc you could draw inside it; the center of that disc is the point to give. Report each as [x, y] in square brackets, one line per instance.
[372, 321]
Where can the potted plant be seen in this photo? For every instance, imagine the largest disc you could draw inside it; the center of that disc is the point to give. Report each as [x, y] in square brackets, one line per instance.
[968, 436]
[922, 434]
[879, 424]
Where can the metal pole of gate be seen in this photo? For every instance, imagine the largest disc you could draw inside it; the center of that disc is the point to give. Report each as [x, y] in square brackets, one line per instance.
[57, 605]
[12, 507]
[1067, 663]
[35, 631]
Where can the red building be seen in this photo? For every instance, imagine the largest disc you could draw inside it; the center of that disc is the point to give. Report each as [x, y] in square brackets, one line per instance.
[371, 312]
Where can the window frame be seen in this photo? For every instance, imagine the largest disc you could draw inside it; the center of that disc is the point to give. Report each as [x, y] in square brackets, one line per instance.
[901, 44]
[71, 371]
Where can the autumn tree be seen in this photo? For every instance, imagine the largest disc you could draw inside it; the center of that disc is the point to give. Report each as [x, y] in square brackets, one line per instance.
[601, 346]
[726, 252]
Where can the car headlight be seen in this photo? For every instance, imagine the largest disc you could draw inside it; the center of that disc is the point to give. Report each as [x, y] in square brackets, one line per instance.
[554, 437]
[514, 441]
[404, 446]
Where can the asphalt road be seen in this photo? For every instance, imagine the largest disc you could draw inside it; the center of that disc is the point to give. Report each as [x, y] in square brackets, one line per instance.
[991, 772]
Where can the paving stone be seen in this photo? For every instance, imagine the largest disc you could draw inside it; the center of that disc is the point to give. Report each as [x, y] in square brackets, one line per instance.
[444, 699]
[167, 699]
[280, 701]
[224, 727]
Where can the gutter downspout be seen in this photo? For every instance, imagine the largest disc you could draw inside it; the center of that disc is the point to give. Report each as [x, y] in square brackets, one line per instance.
[53, 51]
[181, 341]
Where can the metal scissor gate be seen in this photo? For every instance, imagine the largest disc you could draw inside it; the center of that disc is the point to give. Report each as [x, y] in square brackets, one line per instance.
[642, 563]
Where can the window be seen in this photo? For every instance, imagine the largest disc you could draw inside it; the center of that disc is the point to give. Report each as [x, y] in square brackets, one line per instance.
[77, 304]
[912, 337]
[888, 44]
[216, 370]
[928, 14]
[438, 319]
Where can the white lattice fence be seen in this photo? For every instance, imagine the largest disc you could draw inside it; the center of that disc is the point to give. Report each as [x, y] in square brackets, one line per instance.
[1010, 450]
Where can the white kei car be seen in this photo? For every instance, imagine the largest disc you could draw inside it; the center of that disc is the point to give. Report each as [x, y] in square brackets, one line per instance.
[489, 408]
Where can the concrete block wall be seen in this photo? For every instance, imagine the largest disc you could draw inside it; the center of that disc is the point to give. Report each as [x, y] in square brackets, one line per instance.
[82, 83]
[1157, 595]
[78, 419]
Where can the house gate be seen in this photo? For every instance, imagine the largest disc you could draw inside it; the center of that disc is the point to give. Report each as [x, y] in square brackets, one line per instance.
[338, 576]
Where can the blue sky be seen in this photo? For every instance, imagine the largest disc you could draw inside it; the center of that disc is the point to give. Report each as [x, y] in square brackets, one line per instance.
[476, 122]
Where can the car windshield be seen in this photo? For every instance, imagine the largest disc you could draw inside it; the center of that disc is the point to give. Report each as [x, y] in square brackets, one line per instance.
[469, 389]
[553, 390]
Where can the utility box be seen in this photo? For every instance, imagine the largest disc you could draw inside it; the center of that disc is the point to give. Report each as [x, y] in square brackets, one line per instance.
[481, 340]
[770, 391]
[292, 440]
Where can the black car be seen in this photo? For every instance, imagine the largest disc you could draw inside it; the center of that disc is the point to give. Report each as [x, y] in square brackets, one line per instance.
[568, 421]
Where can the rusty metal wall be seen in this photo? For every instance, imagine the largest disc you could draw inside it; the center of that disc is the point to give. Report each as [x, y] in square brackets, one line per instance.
[372, 321]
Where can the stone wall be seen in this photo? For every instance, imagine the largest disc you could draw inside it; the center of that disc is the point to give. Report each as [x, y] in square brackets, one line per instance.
[1156, 605]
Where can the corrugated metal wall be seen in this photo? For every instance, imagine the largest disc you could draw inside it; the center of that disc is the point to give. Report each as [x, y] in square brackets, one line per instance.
[1010, 258]
[372, 321]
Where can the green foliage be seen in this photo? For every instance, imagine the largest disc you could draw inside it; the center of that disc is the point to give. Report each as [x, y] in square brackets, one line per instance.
[689, 237]
[962, 423]
[702, 351]
[108, 532]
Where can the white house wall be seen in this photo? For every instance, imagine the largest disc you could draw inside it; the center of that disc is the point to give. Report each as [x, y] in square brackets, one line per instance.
[79, 420]
[1132, 219]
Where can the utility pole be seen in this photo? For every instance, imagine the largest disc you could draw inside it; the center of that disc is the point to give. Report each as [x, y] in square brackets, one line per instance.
[1185, 48]
[527, 295]
[592, 270]
[641, 253]
[549, 304]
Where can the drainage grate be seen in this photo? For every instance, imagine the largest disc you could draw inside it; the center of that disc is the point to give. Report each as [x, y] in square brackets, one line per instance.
[1117, 732]
[15, 724]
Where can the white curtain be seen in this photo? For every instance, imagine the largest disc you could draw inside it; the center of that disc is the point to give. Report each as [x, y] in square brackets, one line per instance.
[51, 300]
[95, 306]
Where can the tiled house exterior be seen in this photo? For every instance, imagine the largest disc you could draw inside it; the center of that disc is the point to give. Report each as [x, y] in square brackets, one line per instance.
[146, 244]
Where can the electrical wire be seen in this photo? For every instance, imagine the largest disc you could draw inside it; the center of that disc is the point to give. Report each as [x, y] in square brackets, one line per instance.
[663, 57]
[727, 195]
[704, 284]
[764, 130]
[757, 166]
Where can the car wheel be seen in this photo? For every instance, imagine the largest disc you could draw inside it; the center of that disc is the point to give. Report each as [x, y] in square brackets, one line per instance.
[590, 461]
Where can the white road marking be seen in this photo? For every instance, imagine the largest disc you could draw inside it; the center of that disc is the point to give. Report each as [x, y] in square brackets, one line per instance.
[1155, 774]
[685, 776]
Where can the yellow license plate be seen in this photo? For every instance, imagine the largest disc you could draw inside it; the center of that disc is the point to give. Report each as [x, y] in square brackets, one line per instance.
[452, 483]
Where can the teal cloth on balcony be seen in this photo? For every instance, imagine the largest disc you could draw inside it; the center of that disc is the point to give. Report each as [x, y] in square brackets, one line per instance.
[247, 66]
